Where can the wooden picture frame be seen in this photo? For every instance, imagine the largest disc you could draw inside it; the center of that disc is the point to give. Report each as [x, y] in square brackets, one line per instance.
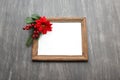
[83, 57]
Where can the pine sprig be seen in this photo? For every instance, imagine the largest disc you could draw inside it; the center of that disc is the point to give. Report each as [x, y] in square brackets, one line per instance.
[29, 41]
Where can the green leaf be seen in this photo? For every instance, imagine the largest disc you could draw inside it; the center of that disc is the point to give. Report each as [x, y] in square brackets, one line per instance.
[29, 20]
[35, 16]
[29, 41]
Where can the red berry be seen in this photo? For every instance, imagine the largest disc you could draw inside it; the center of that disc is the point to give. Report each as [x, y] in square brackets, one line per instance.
[36, 35]
[32, 24]
[24, 28]
[27, 28]
[33, 36]
[35, 27]
[37, 31]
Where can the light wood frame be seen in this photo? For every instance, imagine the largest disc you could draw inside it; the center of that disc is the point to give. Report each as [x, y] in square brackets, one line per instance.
[83, 57]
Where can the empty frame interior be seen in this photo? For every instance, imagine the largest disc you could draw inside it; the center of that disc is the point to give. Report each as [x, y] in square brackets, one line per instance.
[66, 42]
[64, 39]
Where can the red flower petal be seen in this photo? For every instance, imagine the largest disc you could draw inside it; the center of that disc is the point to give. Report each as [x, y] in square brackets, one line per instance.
[43, 25]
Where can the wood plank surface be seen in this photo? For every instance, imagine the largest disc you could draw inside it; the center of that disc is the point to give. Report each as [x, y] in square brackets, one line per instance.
[103, 26]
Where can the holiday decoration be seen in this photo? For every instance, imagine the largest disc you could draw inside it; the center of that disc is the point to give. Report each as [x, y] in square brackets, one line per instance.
[37, 25]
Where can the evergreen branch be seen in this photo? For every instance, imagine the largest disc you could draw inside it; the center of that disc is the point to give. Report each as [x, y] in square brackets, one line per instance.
[29, 41]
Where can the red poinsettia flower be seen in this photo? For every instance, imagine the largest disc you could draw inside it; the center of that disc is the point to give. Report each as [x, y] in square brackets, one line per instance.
[39, 25]
[43, 25]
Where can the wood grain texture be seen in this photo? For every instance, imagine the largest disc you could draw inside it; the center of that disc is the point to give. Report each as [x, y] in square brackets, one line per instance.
[103, 26]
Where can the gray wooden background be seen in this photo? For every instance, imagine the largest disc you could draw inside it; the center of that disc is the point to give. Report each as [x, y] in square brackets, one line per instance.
[103, 25]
